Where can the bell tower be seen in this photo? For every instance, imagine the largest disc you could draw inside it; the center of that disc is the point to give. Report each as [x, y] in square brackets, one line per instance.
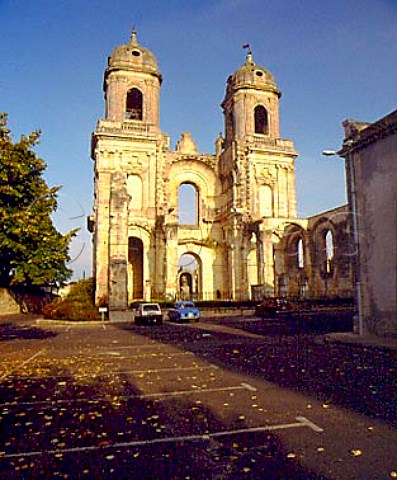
[132, 84]
[125, 148]
[251, 104]
[258, 167]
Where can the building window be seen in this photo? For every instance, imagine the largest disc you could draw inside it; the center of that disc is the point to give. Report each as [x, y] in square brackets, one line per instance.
[261, 120]
[134, 105]
[329, 251]
[188, 204]
[300, 254]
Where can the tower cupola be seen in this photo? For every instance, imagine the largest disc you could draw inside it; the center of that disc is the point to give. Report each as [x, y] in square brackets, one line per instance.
[134, 57]
[253, 76]
[251, 102]
[132, 83]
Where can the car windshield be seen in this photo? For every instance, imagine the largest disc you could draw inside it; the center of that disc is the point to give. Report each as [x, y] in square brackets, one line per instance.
[185, 305]
[150, 308]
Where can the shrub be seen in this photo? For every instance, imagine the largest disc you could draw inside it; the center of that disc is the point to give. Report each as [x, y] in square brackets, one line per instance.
[78, 305]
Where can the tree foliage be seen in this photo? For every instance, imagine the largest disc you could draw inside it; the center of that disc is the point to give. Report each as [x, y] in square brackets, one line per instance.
[32, 251]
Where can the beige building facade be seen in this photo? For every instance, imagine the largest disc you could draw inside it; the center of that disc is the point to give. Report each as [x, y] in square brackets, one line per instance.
[177, 223]
[370, 152]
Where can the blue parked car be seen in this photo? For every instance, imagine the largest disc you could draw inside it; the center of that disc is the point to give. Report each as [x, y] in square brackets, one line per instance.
[184, 312]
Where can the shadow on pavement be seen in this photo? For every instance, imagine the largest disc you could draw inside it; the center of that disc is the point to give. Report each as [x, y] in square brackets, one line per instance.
[354, 377]
[13, 331]
[67, 427]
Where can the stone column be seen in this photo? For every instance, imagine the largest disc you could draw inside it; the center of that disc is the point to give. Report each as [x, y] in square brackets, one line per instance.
[101, 238]
[231, 271]
[171, 259]
[268, 263]
[237, 271]
[159, 255]
[259, 256]
[118, 243]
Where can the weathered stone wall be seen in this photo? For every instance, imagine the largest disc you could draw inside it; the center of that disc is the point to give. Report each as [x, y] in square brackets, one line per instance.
[313, 272]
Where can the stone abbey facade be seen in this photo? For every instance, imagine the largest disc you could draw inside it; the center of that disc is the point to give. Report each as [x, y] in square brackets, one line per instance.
[237, 236]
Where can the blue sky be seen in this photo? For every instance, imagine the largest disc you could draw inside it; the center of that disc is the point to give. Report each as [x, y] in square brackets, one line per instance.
[332, 60]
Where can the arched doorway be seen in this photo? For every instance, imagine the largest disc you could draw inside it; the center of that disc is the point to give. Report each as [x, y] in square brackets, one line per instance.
[135, 268]
[189, 277]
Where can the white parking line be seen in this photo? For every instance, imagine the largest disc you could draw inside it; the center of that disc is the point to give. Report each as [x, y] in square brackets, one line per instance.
[7, 374]
[242, 386]
[138, 345]
[124, 372]
[249, 387]
[54, 403]
[301, 422]
[149, 370]
[140, 355]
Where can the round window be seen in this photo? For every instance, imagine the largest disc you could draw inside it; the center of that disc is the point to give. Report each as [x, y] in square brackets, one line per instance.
[259, 73]
[136, 53]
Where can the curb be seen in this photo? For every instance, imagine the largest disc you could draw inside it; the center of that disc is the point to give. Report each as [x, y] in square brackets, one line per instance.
[370, 341]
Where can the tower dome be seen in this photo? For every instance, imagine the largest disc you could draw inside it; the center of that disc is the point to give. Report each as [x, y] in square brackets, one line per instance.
[251, 76]
[133, 56]
[132, 84]
[251, 103]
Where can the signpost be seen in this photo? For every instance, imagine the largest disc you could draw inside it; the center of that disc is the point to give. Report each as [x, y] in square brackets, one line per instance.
[102, 311]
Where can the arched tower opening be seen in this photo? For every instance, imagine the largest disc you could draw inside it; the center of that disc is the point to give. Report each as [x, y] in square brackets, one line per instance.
[134, 105]
[261, 120]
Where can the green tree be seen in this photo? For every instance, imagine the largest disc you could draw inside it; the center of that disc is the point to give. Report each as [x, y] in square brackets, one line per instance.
[32, 251]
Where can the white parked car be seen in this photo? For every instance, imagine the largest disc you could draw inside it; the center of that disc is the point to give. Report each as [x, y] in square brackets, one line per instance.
[148, 313]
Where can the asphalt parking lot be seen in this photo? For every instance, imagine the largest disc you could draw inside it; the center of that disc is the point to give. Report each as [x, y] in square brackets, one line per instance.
[222, 399]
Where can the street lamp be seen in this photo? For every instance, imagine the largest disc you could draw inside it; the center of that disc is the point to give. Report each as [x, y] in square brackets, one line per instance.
[329, 153]
[347, 154]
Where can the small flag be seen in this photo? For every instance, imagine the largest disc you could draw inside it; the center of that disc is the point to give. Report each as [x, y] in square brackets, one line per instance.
[246, 45]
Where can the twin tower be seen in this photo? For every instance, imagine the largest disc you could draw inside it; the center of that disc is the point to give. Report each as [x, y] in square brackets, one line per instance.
[176, 223]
